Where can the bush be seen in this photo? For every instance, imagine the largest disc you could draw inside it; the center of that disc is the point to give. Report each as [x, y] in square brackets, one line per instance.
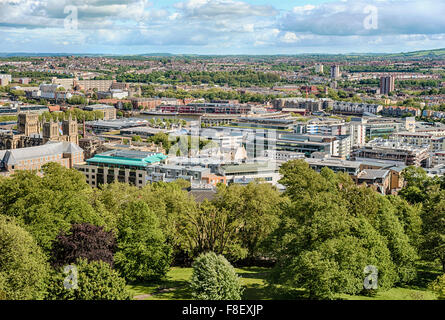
[23, 266]
[95, 281]
[214, 278]
[438, 286]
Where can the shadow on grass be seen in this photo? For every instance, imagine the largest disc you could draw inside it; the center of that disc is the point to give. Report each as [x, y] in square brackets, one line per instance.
[256, 287]
[164, 289]
[427, 272]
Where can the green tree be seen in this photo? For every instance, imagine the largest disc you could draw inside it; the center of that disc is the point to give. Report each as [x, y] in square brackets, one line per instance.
[96, 280]
[256, 207]
[214, 278]
[433, 216]
[136, 138]
[331, 230]
[410, 219]
[142, 253]
[47, 205]
[23, 266]
[417, 183]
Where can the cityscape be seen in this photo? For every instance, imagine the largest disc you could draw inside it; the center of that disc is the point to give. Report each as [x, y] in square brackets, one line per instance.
[241, 175]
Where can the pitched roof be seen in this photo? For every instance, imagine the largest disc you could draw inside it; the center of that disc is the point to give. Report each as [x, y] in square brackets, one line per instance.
[371, 174]
[13, 156]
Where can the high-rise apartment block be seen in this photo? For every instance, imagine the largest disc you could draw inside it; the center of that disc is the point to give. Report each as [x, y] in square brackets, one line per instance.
[387, 85]
[335, 72]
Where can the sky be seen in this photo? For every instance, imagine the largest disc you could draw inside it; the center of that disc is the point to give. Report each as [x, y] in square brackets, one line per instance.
[221, 26]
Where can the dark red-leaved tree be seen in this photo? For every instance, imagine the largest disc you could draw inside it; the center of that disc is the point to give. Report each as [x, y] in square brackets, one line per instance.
[83, 241]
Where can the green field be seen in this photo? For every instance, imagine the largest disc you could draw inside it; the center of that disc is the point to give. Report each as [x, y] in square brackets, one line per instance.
[175, 287]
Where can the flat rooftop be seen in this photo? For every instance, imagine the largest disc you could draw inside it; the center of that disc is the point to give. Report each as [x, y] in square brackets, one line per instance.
[128, 157]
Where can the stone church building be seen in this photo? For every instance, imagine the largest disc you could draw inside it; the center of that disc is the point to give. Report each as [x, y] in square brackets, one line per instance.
[30, 132]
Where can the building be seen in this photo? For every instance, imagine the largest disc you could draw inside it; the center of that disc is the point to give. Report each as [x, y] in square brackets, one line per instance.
[203, 108]
[5, 79]
[420, 139]
[31, 133]
[337, 165]
[337, 146]
[112, 94]
[51, 92]
[387, 85]
[108, 111]
[128, 166]
[99, 85]
[395, 168]
[356, 109]
[146, 103]
[248, 172]
[100, 126]
[308, 104]
[319, 68]
[213, 179]
[399, 111]
[384, 176]
[283, 156]
[439, 158]
[24, 80]
[170, 173]
[65, 153]
[380, 180]
[335, 72]
[393, 150]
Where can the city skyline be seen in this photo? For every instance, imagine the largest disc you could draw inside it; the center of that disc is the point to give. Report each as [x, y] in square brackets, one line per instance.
[221, 26]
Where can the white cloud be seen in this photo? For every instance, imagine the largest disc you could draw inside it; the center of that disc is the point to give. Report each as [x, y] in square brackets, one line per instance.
[289, 37]
[236, 24]
[347, 17]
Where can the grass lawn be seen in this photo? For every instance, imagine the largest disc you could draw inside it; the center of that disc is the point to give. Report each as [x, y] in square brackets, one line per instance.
[175, 287]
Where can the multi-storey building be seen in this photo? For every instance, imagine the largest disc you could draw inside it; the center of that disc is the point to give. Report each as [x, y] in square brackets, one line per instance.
[108, 111]
[169, 173]
[127, 166]
[247, 172]
[393, 150]
[319, 68]
[351, 108]
[338, 146]
[387, 84]
[335, 72]
[420, 139]
[51, 92]
[399, 111]
[221, 108]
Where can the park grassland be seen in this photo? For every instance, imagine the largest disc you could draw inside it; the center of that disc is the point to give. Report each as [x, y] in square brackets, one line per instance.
[175, 287]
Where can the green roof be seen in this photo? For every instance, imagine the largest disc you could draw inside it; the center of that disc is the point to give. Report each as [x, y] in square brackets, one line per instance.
[247, 168]
[138, 162]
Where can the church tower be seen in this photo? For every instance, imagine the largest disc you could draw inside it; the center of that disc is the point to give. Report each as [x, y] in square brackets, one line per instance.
[50, 131]
[28, 123]
[70, 130]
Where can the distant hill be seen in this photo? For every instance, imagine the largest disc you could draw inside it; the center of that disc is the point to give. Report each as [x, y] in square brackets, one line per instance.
[436, 53]
[42, 54]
